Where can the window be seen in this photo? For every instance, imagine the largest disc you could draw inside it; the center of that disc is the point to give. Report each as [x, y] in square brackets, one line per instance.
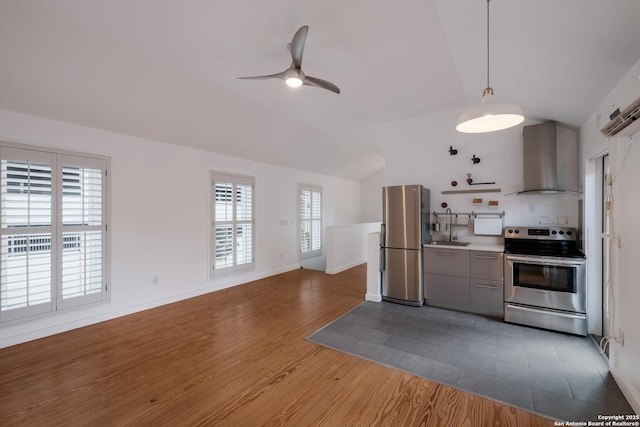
[232, 229]
[53, 233]
[310, 220]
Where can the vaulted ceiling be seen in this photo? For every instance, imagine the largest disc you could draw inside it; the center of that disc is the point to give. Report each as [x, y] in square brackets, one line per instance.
[166, 69]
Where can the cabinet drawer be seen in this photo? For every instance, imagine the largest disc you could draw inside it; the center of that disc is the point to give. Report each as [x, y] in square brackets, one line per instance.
[450, 289]
[486, 297]
[454, 262]
[486, 265]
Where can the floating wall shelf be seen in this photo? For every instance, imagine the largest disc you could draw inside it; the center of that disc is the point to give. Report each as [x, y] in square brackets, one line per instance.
[491, 190]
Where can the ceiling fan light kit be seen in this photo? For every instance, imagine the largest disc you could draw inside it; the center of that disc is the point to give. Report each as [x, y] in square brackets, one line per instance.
[293, 76]
[489, 116]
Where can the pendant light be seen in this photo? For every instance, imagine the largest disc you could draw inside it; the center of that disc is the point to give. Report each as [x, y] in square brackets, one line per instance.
[489, 116]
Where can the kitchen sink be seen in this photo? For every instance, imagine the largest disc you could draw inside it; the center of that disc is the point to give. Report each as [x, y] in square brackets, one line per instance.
[450, 243]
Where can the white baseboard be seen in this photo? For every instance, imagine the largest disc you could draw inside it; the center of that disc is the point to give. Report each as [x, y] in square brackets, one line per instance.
[64, 326]
[342, 268]
[373, 297]
[627, 389]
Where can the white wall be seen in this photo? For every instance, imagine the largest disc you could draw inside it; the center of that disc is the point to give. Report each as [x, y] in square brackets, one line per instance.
[417, 153]
[626, 257]
[371, 197]
[624, 260]
[160, 218]
[346, 245]
[624, 160]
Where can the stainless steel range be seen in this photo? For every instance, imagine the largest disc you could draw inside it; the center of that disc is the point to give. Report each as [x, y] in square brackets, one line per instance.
[544, 274]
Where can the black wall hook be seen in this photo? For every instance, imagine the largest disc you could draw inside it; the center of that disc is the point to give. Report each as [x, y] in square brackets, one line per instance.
[452, 151]
[475, 159]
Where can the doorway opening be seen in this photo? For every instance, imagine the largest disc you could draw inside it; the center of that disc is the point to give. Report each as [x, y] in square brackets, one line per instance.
[597, 218]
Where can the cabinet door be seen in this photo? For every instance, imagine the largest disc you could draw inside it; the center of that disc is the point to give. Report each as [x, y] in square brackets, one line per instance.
[486, 297]
[447, 289]
[454, 262]
[486, 265]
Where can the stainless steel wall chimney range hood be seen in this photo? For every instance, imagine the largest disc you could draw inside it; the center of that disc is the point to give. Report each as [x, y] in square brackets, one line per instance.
[550, 160]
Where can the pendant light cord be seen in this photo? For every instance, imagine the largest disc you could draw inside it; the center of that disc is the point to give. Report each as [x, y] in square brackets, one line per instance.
[489, 89]
[488, 85]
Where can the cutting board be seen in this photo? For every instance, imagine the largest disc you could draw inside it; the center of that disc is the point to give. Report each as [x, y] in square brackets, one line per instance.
[487, 226]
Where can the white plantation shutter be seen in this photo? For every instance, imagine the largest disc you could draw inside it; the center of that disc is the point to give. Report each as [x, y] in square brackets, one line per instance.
[223, 222]
[82, 242]
[244, 223]
[310, 220]
[26, 257]
[52, 232]
[233, 223]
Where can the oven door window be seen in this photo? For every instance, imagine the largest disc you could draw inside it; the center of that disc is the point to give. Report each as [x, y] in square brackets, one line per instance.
[549, 277]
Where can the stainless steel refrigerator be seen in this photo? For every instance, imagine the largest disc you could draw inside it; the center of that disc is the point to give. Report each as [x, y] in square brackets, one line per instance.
[405, 228]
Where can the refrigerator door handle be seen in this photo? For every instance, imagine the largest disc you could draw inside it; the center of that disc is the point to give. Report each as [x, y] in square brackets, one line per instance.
[383, 230]
[381, 260]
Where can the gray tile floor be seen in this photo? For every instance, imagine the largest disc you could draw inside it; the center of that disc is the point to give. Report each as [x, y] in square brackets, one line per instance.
[552, 374]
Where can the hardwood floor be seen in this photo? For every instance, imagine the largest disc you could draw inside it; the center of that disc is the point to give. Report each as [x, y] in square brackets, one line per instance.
[236, 357]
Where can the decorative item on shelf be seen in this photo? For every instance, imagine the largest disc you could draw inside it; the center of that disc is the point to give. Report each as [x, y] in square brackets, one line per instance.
[477, 202]
[475, 159]
[493, 204]
[470, 181]
[452, 151]
[454, 183]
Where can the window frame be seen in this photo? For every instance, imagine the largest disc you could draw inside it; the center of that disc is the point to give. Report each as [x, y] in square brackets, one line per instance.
[234, 224]
[317, 219]
[58, 159]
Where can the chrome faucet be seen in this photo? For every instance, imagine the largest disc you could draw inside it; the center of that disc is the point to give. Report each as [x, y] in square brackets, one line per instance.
[448, 212]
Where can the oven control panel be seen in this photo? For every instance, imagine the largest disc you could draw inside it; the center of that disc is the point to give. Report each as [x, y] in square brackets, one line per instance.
[540, 233]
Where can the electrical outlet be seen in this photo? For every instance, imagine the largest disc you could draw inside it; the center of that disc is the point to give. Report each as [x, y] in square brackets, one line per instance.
[155, 280]
[532, 207]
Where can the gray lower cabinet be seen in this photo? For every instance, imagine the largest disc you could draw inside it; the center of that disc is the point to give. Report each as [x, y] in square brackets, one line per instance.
[464, 280]
[486, 283]
[486, 265]
[450, 262]
[486, 297]
[443, 289]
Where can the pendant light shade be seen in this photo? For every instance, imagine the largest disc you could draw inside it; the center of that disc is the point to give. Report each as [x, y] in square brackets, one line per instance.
[490, 115]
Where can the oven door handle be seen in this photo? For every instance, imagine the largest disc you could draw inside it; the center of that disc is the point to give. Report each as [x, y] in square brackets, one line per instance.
[555, 313]
[546, 261]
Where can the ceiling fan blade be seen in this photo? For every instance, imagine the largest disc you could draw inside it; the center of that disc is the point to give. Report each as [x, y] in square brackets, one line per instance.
[312, 81]
[297, 46]
[270, 76]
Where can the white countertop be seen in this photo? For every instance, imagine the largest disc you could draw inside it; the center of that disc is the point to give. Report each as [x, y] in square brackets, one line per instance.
[488, 247]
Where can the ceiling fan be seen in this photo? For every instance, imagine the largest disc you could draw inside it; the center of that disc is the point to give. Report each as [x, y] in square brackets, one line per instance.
[293, 75]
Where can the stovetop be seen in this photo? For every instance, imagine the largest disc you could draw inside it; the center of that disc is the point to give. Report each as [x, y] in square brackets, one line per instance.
[558, 242]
